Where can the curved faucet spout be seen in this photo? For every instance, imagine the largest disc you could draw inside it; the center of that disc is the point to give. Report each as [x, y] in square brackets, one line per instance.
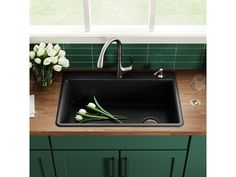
[100, 62]
[104, 48]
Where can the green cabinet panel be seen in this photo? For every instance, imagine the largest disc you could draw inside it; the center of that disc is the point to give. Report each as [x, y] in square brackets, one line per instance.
[152, 163]
[119, 142]
[41, 164]
[196, 162]
[39, 142]
[86, 163]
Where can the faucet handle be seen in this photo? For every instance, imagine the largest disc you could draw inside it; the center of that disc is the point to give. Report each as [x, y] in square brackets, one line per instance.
[128, 68]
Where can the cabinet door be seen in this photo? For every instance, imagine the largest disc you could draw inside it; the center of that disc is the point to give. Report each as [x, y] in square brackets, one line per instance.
[41, 164]
[196, 162]
[152, 163]
[81, 163]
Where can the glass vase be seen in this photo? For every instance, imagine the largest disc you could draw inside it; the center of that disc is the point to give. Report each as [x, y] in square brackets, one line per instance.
[43, 75]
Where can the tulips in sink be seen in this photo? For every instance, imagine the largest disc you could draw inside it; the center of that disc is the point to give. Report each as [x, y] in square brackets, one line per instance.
[44, 59]
[97, 113]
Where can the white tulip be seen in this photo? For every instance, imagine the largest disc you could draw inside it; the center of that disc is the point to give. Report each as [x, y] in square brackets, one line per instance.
[30, 65]
[82, 111]
[40, 52]
[47, 61]
[37, 60]
[42, 45]
[57, 68]
[51, 52]
[66, 63]
[62, 53]
[91, 105]
[61, 60]
[49, 46]
[36, 48]
[57, 47]
[54, 59]
[78, 118]
[32, 55]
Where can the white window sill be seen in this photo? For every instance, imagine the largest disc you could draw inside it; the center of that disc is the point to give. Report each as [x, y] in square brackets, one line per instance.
[127, 34]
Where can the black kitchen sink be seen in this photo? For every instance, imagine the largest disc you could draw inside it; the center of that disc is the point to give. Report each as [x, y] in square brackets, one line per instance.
[144, 99]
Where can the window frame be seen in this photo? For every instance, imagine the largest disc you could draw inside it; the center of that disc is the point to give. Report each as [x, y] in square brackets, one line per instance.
[88, 33]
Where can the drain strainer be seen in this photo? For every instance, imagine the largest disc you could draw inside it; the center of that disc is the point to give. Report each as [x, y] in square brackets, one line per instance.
[150, 120]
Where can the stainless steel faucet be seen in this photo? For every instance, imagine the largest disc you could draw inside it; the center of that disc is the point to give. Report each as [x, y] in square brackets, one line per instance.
[120, 68]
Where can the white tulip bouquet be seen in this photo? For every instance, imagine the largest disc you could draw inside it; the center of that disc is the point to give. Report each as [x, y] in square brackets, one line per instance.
[44, 59]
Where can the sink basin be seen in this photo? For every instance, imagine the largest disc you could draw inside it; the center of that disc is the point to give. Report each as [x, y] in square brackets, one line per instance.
[141, 97]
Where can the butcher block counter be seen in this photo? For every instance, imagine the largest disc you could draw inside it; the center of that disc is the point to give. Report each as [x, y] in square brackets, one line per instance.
[46, 104]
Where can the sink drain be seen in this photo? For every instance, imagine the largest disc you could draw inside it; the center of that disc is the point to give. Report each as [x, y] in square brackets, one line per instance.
[150, 120]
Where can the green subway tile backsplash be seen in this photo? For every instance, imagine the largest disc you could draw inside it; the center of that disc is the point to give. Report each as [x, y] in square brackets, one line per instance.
[168, 56]
[110, 51]
[77, 46]
[191, 52]
[188, 59]
[189, 65]
[162, 46]
[79, 51]
[162, 52]
[80, 59]
[161, 65]
[191, 46]
[81, 65]
[162, 59]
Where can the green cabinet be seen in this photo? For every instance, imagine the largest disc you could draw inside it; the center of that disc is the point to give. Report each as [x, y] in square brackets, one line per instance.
[41, 164]
[86, 163]
[118, 156]
[152, 163]
[196, 161]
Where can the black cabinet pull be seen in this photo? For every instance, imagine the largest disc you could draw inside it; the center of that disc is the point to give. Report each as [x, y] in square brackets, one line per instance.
[123, 165]
[111, 165]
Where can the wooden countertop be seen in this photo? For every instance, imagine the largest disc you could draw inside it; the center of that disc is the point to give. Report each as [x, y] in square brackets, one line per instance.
[46, 102]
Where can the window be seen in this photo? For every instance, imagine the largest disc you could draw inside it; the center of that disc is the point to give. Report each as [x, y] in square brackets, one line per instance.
[56, 12]
[102, 17]
[180, 12]
[119, 12]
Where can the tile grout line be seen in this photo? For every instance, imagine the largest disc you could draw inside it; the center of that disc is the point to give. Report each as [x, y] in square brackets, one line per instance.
[175, 55]
[203, 54]
[77, 55]
[147, 54]
[138, 62]
[92, 56]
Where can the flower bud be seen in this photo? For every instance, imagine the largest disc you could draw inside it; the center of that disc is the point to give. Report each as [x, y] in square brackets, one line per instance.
[78, 118]
[66, 63]
[42, 45]
[51, 52]
[57, 68]
[92, 105]
[54, 59]
[61, 60]
[37, 60]
[47, 61]
[62, 53]
[57, 47]
[32, 55]
[82, 111]
[36, 48]
[49, 46]
[40, 52]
